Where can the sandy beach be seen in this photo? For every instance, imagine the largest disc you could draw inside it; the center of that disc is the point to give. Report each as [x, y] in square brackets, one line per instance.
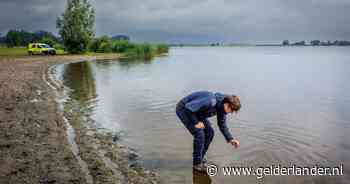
[34, 147]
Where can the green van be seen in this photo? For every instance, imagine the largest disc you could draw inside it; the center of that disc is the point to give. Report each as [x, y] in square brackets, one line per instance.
[40, 48]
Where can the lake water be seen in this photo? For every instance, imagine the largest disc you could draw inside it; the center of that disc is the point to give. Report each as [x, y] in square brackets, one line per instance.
[295, 107]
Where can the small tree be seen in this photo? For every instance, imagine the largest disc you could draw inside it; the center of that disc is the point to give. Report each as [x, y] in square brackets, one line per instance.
[76, 25]
[285, 42]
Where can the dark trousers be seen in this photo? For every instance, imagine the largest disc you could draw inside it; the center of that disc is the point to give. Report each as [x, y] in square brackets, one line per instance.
[201, 137]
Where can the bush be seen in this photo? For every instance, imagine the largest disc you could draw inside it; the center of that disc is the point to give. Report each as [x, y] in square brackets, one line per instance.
[132, 50]
[122, 46]
[93, 45]
[105, 47]
[58, 46]
[102, 44]
[162, 48]
[145, 51]
[48, 41]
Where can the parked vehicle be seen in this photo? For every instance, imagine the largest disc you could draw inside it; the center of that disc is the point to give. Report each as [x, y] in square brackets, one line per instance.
[40, 48]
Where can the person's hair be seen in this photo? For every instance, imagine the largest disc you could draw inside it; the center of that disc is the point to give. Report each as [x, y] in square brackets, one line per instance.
[233, 101]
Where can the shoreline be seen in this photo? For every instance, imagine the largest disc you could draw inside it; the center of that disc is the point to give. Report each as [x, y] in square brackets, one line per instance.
[35, 145]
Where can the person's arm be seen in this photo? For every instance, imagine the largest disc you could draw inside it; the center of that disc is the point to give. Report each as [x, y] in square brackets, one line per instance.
[223, 127]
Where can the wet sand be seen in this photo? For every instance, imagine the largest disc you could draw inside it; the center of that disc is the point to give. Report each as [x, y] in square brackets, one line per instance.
[34, 147]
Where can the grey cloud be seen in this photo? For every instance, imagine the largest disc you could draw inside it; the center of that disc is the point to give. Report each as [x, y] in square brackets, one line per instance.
[195, 21]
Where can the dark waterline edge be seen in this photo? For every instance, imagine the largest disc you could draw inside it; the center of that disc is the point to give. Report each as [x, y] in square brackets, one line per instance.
[117, 157]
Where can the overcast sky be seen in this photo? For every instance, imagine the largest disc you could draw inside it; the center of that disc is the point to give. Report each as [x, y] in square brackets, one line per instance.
[197, 21]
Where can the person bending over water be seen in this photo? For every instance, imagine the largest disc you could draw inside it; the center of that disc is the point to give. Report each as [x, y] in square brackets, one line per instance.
[194, 111]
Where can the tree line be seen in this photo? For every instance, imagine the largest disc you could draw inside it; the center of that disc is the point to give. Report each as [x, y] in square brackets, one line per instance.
[317, 43]
[21, 38]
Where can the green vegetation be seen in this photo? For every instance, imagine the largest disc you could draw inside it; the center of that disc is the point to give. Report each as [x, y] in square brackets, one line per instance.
[105, 44]
[19, 39]
[76, 25]
[101, 45]
[15, 51]
[49, 41]
[144, 50]
[162, 48]
[76, 28]
[121, 46]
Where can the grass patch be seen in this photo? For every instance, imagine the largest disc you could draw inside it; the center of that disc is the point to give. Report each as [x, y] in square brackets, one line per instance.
[21, 51]
[131, 50]
[16, 51]
[60, 52]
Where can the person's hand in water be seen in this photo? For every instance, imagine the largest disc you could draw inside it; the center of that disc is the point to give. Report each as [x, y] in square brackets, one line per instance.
[199, 125]
[234, 143]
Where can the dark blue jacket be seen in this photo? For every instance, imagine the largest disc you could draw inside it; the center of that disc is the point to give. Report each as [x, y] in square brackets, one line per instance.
[205, 104]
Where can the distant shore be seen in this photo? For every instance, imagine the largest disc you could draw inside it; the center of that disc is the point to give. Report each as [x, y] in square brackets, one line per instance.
[34, 147]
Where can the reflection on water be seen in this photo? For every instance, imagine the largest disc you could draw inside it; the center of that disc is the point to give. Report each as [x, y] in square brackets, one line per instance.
[200, 178]
[80, 79]
[295, 107]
